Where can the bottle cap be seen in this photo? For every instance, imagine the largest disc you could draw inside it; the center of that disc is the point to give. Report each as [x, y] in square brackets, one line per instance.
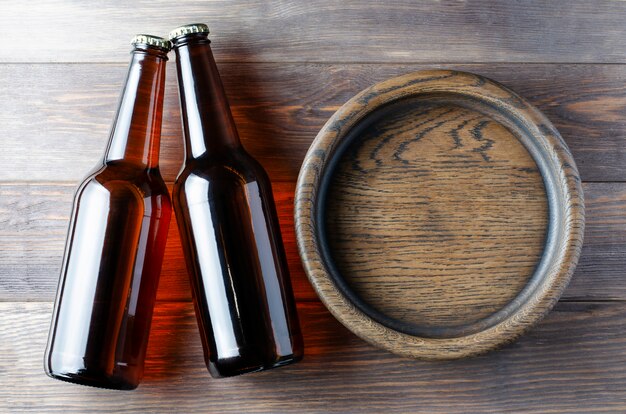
[188, 29]
[144, 39]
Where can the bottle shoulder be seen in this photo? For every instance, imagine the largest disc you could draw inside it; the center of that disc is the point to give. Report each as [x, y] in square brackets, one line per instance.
[118, 178]
[237, 167]
[103, 194]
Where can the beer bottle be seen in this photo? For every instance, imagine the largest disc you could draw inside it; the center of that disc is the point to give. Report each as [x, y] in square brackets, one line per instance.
[116, 241]
[229, 227]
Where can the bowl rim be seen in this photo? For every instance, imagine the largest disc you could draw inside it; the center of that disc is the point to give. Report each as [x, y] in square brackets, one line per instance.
[563, 188]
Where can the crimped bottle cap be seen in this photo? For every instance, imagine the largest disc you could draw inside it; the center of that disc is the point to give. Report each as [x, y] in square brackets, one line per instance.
[145, 39]
[188, 29]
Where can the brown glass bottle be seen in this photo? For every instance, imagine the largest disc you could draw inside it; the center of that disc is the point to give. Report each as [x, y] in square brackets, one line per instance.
[229, 228]
[116, 241]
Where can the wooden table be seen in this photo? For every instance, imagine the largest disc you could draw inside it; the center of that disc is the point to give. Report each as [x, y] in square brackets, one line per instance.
[287, 66]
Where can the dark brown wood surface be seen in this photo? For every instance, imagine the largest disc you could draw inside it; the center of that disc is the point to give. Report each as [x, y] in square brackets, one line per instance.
[287, 66]
[572, 362]
[328, 30]
[279, 108]
[32, 244]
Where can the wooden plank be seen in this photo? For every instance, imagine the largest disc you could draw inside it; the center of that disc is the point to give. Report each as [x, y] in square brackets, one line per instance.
[326, 30]
[34, 217]
[56, 118]
[571, 362]
[33, 240]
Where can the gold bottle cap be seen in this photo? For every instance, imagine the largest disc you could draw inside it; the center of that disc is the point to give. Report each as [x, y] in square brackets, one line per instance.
[144, 39]
[188, 29]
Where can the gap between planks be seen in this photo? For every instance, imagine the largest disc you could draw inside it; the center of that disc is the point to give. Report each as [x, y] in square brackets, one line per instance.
[338, 62]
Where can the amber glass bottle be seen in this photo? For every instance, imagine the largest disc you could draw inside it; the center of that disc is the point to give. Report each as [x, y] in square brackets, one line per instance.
[229, 228]
[116, 241]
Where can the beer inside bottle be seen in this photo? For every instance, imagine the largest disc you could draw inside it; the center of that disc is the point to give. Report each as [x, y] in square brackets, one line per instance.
[229, 228]
[116, 241]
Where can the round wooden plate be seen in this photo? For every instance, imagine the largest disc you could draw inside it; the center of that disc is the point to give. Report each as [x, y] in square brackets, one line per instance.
[439, 215]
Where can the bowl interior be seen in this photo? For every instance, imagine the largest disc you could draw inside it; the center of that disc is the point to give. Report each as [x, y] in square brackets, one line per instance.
[435, 216]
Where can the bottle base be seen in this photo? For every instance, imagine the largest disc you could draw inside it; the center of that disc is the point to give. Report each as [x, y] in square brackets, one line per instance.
[232, 368]
[92, 381]
[74, 370]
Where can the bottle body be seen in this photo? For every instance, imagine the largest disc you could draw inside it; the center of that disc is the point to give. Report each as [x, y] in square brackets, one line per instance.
[115, 247]
[230, 233]
[110, 274]
[231, 238]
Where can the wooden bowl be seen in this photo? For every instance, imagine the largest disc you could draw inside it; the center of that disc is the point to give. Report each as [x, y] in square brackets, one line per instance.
[439, 215]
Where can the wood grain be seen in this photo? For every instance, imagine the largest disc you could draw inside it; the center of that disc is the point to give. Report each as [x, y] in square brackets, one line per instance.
[572, 362]
[437, 217]
[327, 31]
[56, 117]
[31, 246]
[397, 122]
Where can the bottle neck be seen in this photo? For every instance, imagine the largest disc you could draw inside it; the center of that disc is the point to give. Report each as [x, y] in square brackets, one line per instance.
[208, 123]
[136, 132]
